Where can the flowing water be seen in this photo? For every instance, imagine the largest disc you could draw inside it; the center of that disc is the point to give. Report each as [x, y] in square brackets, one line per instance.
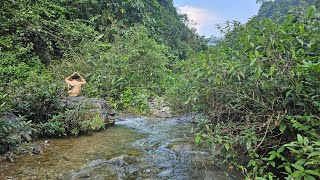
[134, 148]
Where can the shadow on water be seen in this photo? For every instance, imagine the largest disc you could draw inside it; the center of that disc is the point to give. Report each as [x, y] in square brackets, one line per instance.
[135, 148]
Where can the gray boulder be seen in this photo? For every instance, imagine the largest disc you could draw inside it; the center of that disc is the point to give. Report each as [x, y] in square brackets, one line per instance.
[9, 117]
[92, 106]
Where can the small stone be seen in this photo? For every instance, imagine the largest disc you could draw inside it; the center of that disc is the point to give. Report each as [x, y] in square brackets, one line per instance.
[165, 173]
[84, 176]
[35, 150]
[147, 171]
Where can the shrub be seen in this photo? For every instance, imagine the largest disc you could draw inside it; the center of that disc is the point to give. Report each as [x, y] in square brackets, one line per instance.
[259, 91]
[37, 98]
[13, 133]
[52, 128]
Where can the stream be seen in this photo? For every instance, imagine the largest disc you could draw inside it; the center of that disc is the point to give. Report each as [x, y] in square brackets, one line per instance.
[134, 148]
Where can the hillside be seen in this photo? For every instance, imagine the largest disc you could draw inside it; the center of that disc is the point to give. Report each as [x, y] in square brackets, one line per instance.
[278, 9]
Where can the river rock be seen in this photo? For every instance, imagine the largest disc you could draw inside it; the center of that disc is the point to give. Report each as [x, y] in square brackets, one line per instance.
[92, 106]
[35, 149]
[17, 132]
[9, 117]
[158, 108]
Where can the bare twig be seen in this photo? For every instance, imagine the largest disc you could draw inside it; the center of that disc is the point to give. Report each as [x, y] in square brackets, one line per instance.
[265, 133]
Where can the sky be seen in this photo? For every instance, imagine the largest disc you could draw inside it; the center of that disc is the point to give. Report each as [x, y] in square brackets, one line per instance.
[206, 14]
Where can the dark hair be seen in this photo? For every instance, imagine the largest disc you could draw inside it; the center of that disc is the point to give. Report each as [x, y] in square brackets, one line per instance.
[76, 76]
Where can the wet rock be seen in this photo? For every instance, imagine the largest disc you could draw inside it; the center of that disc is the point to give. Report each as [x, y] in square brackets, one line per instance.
[35, 150]
[166, 173]
[130, 159]
[147, 171]
[92, 106]
[84, 176]
[119, 161]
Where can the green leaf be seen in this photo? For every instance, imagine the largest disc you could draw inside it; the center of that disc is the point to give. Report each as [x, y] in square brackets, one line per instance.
[297, 167]
[301, 29]
[219, 139]
[314, 162]
[315, 153]
[300, 162]
[248, 144]
[288, 93]
[313, 172]
[253, 61]
[288, 169]
[98, 37]
[300, 41]
[272, 157]
[316, 103]
[293, 52]
[272, 163]
[281, 149]
[311, 12]
[211, 78]
[258, 72]
[299, 86]
[299, 138]
[282, 127]
[305, 141]
[257, 54]
[197, 139]
[253, 163]
[272, 68]
[308, 177]
[227, 146]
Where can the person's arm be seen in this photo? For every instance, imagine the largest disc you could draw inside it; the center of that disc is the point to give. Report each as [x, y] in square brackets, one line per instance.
[68, 78]
[83, 81]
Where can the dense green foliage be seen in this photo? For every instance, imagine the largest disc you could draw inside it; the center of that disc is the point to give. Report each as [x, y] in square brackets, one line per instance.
[121, 47]
[104, 40]
[259, 91]
[13, 133]
[278, 9]
[258, 88]
[124, 49]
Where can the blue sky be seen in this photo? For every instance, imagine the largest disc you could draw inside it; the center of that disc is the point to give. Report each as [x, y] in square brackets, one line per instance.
[207, 13]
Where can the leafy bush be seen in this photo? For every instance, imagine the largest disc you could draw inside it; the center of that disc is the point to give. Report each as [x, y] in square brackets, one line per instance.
[37, 98]
[13, 133]
[123, 49]
[4, 102]
[52, 128]
[71, 122]
[258, 89]
[132, 99]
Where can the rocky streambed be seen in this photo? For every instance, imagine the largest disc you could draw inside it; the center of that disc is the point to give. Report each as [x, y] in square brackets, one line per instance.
[134, 148]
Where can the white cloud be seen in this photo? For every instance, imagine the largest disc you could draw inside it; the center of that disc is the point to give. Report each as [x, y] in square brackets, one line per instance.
[204, 20]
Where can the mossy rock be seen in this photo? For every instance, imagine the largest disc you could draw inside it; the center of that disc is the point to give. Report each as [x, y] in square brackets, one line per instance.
[90, 108]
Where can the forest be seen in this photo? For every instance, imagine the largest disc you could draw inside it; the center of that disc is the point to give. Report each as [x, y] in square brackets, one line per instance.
[256, 90]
